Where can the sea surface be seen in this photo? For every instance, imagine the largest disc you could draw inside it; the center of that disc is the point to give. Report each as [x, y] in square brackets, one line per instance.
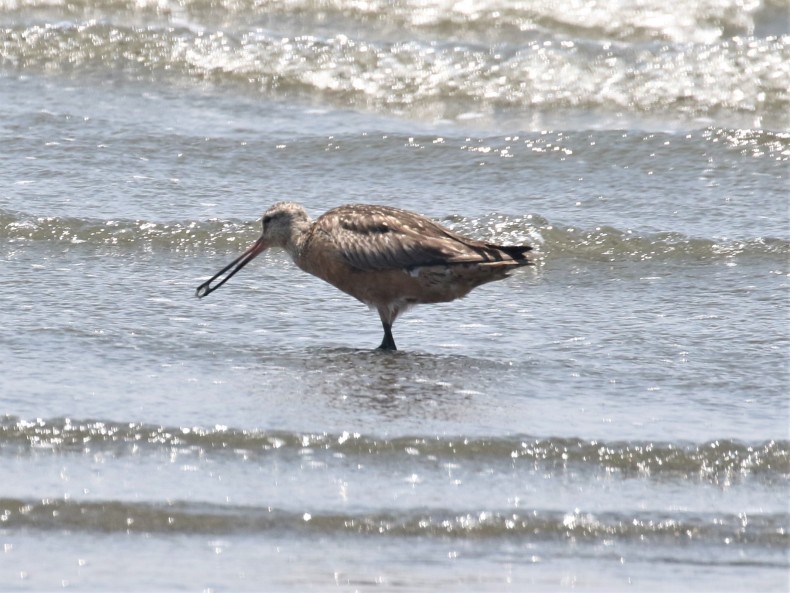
[614, 418]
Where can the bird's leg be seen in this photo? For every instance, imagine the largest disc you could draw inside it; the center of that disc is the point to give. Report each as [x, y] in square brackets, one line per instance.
[388, 343]
[388, 315]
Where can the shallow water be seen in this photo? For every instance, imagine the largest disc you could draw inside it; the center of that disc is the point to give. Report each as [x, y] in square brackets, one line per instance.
[615, 416]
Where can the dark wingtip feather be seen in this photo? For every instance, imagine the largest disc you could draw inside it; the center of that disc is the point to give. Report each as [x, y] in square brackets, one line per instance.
[517, 252]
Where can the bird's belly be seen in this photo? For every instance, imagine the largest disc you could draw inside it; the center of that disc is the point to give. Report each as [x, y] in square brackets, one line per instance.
[423, 285]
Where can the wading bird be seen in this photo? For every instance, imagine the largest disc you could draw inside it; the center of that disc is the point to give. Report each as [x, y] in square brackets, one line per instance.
[390, 259]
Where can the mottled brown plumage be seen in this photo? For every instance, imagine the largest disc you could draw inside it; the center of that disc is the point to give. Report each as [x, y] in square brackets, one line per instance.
[388, 258]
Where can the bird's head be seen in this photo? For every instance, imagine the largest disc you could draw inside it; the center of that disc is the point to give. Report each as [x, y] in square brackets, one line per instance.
[280, 225]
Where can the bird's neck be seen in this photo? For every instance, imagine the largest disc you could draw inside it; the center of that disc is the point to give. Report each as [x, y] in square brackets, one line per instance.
[297, 239]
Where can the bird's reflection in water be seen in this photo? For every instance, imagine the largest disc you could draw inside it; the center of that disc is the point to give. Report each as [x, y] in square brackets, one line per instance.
[392, 385]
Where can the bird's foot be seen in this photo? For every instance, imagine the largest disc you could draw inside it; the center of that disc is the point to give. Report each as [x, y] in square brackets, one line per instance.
[388, 343]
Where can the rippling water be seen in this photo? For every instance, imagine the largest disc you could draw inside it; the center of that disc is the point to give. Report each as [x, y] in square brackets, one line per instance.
[614, 417]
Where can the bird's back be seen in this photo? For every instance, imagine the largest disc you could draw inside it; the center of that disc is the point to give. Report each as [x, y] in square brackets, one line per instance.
[382, 237]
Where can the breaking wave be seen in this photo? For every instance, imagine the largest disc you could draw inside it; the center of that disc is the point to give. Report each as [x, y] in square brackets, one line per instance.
[459, 58]
[713, 461]
[228, 236]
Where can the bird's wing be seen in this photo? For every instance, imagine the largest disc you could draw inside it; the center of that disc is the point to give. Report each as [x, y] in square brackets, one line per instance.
[381, 238]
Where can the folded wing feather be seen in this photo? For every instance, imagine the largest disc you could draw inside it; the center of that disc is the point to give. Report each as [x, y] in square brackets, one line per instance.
[381, 238]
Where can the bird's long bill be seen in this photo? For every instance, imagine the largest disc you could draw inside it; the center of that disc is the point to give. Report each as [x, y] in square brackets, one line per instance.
[237, 264]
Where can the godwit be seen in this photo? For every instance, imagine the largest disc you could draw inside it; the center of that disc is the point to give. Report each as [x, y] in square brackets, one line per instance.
[388, 258]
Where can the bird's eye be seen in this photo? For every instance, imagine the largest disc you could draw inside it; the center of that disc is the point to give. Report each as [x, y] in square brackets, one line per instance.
[267, 219]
